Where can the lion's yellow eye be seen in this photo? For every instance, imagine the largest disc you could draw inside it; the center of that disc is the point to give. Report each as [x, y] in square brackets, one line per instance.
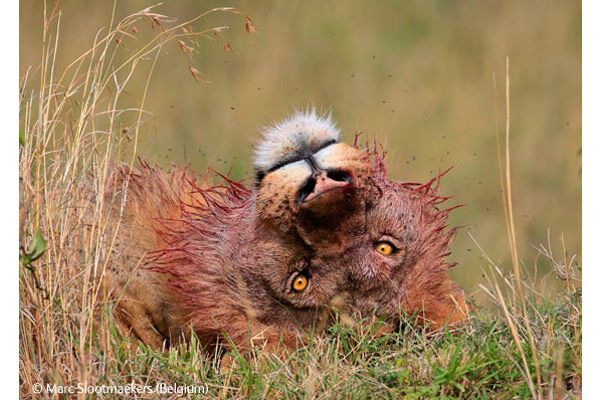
[385, 248]
[300, 283]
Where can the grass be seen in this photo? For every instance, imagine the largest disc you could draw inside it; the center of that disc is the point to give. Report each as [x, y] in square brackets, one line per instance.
[480, 361]
[78, 120]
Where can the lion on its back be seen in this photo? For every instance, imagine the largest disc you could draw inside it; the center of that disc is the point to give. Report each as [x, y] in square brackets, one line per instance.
[266, 263]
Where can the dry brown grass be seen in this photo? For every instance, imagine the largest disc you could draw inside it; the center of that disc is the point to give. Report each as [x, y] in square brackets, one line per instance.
[74, 127]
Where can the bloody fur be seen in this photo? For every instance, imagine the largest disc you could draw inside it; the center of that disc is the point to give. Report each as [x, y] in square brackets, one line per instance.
[421, 286]
[192, 238]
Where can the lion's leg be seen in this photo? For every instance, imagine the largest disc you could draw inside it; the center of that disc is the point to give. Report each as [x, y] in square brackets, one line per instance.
[132, 318]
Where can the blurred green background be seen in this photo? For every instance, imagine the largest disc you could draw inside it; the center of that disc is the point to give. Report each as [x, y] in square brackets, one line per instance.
[416, 75]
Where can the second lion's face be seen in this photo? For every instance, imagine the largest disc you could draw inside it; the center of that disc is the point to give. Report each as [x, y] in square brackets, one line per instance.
[350, 231]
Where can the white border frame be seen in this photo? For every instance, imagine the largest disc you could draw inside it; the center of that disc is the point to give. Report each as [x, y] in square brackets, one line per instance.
[591, 194]
[9, 78]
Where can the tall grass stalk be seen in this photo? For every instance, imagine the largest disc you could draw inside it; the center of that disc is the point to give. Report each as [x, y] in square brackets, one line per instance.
[75, 124]
[517, 311]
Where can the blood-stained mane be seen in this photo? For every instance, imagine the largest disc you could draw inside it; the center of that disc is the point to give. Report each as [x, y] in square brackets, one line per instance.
[221, 258]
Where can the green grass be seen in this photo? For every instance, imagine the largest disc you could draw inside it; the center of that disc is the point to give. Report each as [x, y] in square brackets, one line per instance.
[480, 360]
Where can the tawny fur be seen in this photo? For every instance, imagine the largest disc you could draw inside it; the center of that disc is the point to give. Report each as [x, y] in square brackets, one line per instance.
[414, 280]
[218, 258]
[180, 264]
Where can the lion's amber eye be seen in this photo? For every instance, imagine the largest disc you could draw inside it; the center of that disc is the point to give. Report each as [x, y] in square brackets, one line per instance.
[385, 248]
[300, 283]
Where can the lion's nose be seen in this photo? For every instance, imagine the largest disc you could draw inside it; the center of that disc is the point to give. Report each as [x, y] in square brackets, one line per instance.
[324, 182]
